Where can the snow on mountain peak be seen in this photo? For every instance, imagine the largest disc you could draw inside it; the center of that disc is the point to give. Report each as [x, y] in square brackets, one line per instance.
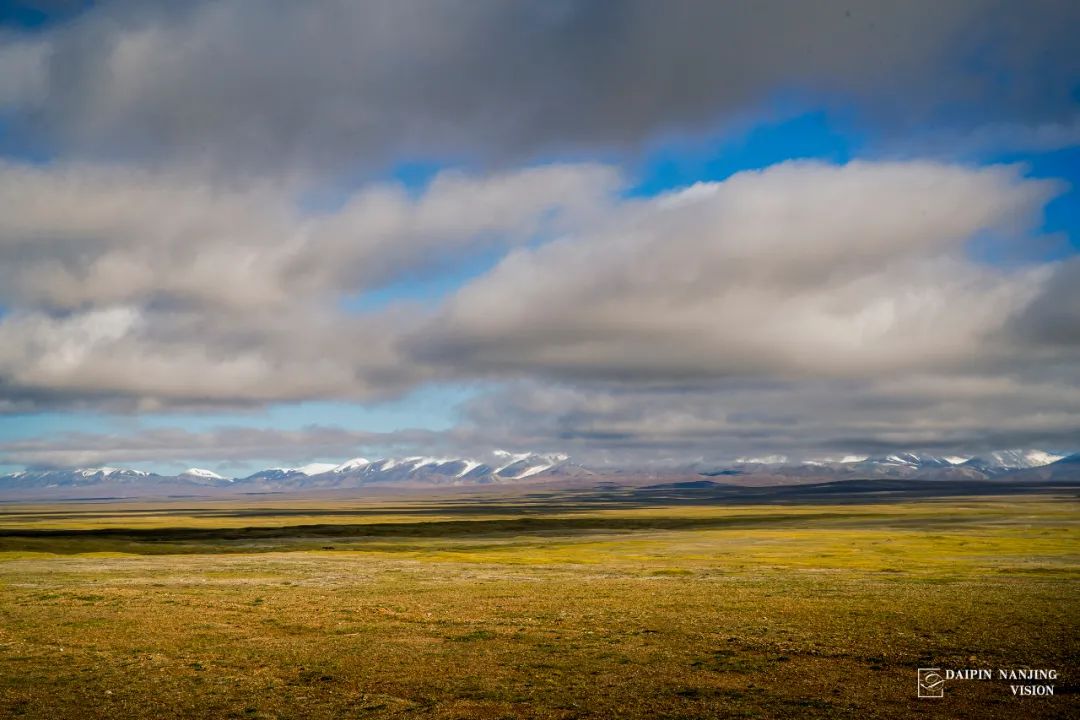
[108, 471]
[1016, 459]
[902, 459]
[419, 462]
[763, 460]
[509, 459]
[531, 471]
[1038, 458]
[835, 460]
[470, 465]
[315, 468]
[911, 459]
[516, 466]
[309, 469]
[201, 473]
[88, 472]
[354, 464]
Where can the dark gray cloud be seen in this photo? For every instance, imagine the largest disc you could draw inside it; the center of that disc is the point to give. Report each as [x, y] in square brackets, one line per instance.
[336, 84]
[1053, 317]
[722, 420]
[643, 425]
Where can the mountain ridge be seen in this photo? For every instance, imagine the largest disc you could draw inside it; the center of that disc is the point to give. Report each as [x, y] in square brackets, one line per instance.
[506, 467]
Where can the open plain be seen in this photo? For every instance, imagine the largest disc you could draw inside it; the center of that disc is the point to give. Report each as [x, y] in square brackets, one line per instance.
[668, 603]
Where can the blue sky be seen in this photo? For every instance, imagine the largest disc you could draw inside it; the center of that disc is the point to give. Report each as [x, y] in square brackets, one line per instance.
[792, 108]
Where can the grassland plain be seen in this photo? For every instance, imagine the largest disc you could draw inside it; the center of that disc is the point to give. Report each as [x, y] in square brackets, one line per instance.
[537, 606]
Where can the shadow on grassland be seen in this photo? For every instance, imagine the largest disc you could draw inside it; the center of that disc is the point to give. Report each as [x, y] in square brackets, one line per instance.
[573, 520]
[846, 491]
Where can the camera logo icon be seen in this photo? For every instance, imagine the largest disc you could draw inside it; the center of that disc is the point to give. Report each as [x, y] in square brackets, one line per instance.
[931, 683]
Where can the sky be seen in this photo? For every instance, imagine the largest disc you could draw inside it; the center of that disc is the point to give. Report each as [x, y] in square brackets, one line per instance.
[251, 233]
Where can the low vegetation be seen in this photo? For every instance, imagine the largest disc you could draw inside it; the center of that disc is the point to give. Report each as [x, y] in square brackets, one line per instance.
[534, 607]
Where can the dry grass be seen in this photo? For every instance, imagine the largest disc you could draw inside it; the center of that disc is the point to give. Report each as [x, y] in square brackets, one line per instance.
[670, 612]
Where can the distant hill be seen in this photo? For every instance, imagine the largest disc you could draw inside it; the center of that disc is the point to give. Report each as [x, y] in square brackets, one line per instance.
[416, 471]
[506, 468]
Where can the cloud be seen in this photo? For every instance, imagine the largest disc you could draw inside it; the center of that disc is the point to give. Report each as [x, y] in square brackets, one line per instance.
[155, 287]
[137, 289]
[329, 86]
[1003, 137]
[23, 84]
[802, 269]
[639, 426]
[200, 215]
[224, 445]
[125, 358]
[77, 235]
[717, 421]
[1053, 317]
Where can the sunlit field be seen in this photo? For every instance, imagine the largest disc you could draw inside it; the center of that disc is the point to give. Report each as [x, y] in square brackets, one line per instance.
[545, 606]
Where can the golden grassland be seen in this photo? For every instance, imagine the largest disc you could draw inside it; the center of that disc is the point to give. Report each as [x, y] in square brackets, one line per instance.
[505, 607]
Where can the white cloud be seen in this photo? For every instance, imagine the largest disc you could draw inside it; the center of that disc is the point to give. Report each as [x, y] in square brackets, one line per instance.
[170, 291]
[164, 287]
[803, 269]
[77, 235]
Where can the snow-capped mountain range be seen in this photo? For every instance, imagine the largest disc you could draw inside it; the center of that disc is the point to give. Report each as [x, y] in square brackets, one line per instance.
[504, 467]
[78, 476]
[357, 472]
[1012, 460]
[897, 465]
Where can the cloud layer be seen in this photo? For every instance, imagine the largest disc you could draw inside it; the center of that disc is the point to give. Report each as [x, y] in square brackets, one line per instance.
[156, 288]
[195, 215]
[331, 85]
[802, 269]
[808, 307]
